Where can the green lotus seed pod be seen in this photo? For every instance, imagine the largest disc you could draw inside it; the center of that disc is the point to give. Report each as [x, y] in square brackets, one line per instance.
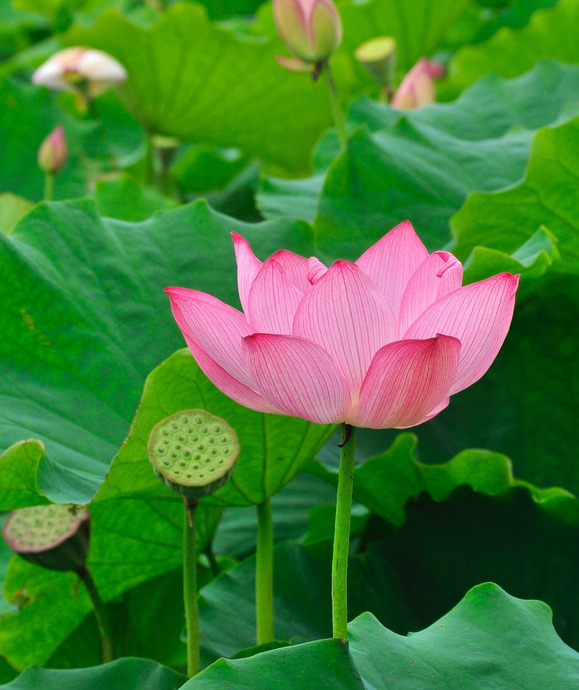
[54, 536]
[193, 452]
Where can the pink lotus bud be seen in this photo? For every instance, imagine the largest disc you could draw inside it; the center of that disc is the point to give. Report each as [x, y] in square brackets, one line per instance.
[379, 343]
[53, 152]
[80, 69]
[311, 29]
[417, 87]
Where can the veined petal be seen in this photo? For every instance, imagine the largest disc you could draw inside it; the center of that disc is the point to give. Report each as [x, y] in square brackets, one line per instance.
[392, 261]
[479, 315]
[406, 380]
[273, 300]
[316, 270]
[248, 266]
[217, 327]
[348, 316]
[295, 267]
[233, 388]
[298, 377]
[437, 276]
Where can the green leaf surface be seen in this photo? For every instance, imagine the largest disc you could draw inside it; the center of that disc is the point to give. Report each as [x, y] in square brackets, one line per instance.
[19, 466]
[85, 320]
[129, 674]
[215, 89]
[325, 664]
[489, 640]
[124, 198]
[547, 196]
[273, 448]
[409, 171]
[12, 209]
[510, 52]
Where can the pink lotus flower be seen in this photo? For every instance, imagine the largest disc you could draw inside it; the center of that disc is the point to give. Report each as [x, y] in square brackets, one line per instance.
[311, 30]
[379, 343]
[417, 87]
[70, 68]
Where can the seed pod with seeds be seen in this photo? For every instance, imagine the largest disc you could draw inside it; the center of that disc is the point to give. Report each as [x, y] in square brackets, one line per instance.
[193, 452]
[52, 536]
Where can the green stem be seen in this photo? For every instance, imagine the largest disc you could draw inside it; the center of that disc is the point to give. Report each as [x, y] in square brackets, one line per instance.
[342, 534]
[190, 586]
[48, 186]
[264, 574]
[337, 111]
[99, 612]
[149, 166]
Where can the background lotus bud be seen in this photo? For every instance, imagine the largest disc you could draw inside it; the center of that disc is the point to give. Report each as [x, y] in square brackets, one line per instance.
[311, 29]
[85, 70]
[53, 152]
[417, 87]
[378, 55]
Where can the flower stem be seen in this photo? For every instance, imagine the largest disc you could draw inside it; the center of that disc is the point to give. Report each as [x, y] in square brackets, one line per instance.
[190, 586]
[264, 574]
[337, 111]
[99, 612]
[48, 186]
[342, 534]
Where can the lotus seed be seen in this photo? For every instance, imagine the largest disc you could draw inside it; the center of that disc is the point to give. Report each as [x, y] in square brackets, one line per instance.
[198, 420]
[200, 446]
[174, 426]
[204, 430]
[177, 446]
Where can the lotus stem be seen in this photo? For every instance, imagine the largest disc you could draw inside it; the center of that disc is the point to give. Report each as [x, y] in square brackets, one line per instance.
[337, 111]
[190, 586]
[342, 534]
[48, 186]
[264, 574]
[99, 611]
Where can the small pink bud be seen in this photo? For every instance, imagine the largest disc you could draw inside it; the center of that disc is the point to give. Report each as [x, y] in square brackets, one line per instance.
[417, 87]
[73, 68]
[311, 29]
[53, 152]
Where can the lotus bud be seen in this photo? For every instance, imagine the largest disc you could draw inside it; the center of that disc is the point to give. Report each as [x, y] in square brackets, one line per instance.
[378, 55]
[53, 152]
[193, 452]
[417, 87]
[82, 70]
[311, 29]
[53, 536]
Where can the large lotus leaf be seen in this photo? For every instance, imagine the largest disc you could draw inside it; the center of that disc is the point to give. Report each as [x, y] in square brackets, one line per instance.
[409, 171]
[85, 320]
[324, 665]
[219, 88]
[412, 575]
[273, 448]
[129, 674]
[486, 110]
[489, 640]
[547, 195]
[549, 34]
